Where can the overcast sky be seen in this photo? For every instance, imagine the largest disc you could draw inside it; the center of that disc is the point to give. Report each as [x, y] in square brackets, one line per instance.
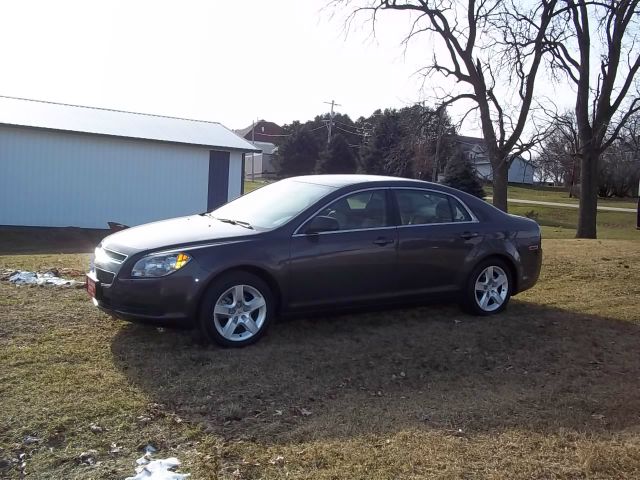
[226, 61]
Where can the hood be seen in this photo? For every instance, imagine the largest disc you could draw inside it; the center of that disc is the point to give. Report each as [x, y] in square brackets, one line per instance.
[175, 232]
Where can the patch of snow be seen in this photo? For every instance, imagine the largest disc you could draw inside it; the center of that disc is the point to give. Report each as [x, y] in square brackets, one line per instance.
[148, 469]
[32, 278]
[149, 449]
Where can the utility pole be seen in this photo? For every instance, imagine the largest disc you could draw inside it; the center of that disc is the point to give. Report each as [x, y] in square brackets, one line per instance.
[333, 104]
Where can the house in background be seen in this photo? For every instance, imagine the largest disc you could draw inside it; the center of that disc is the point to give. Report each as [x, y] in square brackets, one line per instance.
[64, 165]
[520, 170]
[260, 165]
[265, 136]
[262, 131]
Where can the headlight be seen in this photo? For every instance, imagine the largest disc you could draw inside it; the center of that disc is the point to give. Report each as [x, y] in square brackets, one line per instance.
[100, 255]
[159, 265]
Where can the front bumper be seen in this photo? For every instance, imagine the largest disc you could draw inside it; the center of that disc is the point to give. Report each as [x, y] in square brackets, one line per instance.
[162, 300]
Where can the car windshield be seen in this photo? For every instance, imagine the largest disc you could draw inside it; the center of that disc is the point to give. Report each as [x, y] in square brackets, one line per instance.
[272, 205]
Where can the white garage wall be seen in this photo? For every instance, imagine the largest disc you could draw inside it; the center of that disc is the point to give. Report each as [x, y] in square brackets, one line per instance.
[50, 178]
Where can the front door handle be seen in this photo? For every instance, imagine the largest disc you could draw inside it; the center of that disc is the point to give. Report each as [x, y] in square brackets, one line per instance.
[468, 235]
[382, 241]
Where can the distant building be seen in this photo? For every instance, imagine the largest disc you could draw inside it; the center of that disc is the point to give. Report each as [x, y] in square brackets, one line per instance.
[266, 136]
[262, 131]
[260, 165]
[520, 170]
[64, 165]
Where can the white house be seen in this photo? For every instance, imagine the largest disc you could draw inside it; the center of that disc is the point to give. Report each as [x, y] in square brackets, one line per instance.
[520, 170]
[65, 165]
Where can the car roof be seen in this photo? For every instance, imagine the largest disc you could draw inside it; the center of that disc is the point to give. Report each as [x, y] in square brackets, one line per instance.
[352, 179]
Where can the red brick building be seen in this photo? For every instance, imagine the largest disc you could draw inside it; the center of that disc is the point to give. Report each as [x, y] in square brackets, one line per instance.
[262, 131]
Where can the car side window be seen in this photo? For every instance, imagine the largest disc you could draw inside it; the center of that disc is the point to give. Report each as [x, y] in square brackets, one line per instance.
[360, 210]
[421, 207]
[460, 214]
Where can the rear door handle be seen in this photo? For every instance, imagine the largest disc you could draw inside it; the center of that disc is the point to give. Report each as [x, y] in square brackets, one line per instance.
[468, 235]
[383, 241]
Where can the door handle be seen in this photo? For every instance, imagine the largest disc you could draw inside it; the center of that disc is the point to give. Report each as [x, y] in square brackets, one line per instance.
[468, 235]
[383, 241]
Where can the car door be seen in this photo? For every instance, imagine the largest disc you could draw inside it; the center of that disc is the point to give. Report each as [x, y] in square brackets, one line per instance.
[355, 262]
[436, 234]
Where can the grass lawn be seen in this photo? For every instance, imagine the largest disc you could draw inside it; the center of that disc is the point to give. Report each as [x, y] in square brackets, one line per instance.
[559, 222]
[557, 194]
[250, 186]
[550, 389]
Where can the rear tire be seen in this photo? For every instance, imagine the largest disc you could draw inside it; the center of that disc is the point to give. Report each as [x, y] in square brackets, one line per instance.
[237, 310]
[488, 288]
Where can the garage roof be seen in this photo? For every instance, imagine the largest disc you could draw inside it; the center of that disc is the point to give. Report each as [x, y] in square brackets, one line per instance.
[73, 118]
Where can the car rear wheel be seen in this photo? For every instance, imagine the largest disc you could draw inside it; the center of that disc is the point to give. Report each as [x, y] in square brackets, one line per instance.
[237, 310]
[488, 288]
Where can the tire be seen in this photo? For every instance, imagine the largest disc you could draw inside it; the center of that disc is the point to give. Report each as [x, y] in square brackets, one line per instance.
[250, 318]
[492, 298]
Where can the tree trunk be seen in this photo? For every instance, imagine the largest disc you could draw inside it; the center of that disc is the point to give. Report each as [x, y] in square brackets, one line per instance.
[588, 195]
[500, 184]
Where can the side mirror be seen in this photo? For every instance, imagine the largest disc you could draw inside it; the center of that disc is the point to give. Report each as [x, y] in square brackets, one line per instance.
[322, 224]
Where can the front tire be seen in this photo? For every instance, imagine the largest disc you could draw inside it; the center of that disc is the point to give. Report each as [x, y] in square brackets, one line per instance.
[237, 310]
[489, 288]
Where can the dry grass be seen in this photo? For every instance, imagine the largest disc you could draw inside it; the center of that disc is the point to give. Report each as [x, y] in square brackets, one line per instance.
[548, 390]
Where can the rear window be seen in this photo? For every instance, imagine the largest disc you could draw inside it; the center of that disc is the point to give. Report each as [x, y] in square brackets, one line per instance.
[423, 207]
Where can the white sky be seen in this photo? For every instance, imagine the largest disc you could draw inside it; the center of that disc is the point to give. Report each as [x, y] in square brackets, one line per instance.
[222, 60]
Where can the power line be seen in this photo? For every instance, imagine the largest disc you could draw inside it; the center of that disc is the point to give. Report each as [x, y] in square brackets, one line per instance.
[350, 132]
[273, 134]
[348, 125]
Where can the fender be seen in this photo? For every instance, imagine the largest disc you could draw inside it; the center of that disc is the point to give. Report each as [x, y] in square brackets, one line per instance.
[492, 245]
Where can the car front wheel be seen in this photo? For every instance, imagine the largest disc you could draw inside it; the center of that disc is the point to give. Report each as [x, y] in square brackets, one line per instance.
[237, 310]
[488, 288]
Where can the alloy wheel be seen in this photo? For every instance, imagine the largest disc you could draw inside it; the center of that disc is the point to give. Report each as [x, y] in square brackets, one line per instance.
[240, 313]
[491, 288]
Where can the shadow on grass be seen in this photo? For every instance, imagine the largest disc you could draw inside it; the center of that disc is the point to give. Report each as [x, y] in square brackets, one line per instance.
[49, 240]
[431, 367]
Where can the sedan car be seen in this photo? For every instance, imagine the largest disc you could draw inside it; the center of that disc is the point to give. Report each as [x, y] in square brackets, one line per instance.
[311, 243]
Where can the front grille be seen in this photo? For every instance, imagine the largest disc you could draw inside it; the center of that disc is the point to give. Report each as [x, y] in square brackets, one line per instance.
[104, 276]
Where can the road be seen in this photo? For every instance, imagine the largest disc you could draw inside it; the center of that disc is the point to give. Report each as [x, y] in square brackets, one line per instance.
[569, 205]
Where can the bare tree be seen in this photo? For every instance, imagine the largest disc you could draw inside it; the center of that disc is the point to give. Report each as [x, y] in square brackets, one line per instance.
[619, 169]
[482, 38]
[556, 158]
[606, 101]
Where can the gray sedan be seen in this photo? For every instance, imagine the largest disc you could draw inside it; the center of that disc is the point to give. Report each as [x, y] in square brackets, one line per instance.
[315, 243]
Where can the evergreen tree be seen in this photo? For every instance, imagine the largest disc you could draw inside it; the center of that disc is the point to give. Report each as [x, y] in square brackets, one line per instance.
[338, 157]
[403, 142]
[298, 154]
[377, 153]
[461, 175]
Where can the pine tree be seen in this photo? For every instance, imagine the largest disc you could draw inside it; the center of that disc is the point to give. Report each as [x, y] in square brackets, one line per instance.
[385, 139]
[298, 154]
[461, 175]
[338, 157]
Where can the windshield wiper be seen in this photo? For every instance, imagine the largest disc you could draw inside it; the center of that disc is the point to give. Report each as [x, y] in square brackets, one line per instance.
[235, 222]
